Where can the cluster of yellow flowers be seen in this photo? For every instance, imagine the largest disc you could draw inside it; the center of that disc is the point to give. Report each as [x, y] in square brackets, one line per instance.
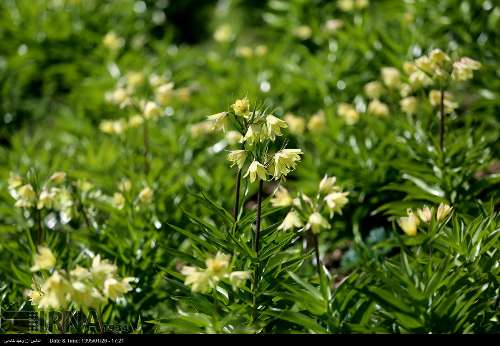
[247, 52]
[255, 128]
[143, 110]
[440, 67]
[81, 288]
[118, 199]
[51, 196]
[435, 68]
[297, 125]
[307, 211]
[351, 5]
[217, 268]
[410, 223]
[112, 41]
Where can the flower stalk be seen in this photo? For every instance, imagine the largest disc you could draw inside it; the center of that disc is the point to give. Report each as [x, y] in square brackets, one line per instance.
[441, 123]
[237, 198]
[256, 249]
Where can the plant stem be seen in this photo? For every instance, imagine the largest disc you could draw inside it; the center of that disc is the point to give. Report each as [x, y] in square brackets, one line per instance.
[100, 321]
[441, 123]
[316, 252]
[256, 249]
[63, 322]
[146, 146]
[237, 199]
[39, 226]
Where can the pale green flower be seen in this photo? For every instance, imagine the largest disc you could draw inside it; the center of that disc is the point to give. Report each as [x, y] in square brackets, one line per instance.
[292, 221]
[44, 259]
[316, 223]
[237, 157]
[274, 126]
[256, 169]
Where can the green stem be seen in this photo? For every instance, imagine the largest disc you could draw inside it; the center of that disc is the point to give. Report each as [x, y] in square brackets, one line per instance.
[237, 199]
[256, 250]
[100, 320]
[39, 226]
[316, 252]
[441, 123]
[146, 147]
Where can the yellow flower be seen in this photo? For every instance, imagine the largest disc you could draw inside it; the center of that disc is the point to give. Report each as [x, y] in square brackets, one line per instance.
[135, 121]
[47, 198]
[316, 223]
[233, 137]
[26, 196]
[14, 180]
[346, 5]
[425, 214]
[360, 4]
[112, 41]
[84, 295]
[241, 107]
[44, 259]
[201, 128]
[332, 25]
[292, 221]
[327, 184]
[35, 296]
[348, 113]
[256, 169]
[274, 126]
[409, 223]
[244, 52]
[114, 289]
[377, 108]
[120, 96]
[425, 64]
[146, 195]
[419, 79]
[336, 201]
[303, 32]
[218, 266]
[80, 273]
[296, 124]
[164, 93]
[101, 270]
[281, 198]
[55, 293]
[238, 278]
[252, 135]
[118, 200]
[409, 67]
[223, 33]
[124, 185]
[438, 57]
[373, 89]
[284, 161]
[199, 280]
[443, 211]
[409, 105]
[151, 110]
[58, 177]
[390, 76]
[218, 121]
[135, 78]
[463, 69]
[317, 122]
[435, 100]
[261, 50]
[237, 157]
